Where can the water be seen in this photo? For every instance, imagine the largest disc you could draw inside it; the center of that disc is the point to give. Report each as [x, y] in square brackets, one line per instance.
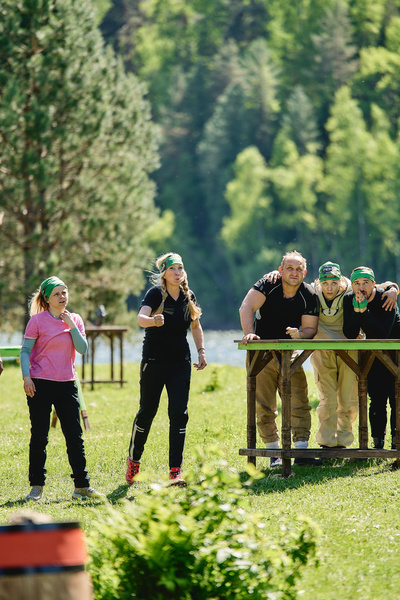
[219, 345]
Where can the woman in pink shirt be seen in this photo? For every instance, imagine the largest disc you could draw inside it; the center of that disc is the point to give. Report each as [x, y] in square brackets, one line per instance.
[48, 370]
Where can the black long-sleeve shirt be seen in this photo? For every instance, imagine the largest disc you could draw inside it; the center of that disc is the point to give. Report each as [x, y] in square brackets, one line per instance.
[376, 322]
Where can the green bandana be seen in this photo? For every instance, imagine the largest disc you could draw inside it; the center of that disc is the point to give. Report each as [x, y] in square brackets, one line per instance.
[173, 259]
[362, 273]
[329, 270]
[48, 285]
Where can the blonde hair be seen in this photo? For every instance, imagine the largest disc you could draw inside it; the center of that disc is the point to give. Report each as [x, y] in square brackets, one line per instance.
[296, 254]
[158, 279]
[37, 303]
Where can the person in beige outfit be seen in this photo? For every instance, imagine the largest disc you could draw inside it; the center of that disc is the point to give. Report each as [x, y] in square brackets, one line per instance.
[336, 382]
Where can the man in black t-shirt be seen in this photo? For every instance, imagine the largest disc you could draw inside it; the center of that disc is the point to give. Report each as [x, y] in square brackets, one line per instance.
[363, 310]
[286, 309]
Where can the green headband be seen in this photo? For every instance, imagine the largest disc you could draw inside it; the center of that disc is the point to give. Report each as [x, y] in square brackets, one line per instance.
[48, 285]
[173, 259]
[329, 270]
[362, 273]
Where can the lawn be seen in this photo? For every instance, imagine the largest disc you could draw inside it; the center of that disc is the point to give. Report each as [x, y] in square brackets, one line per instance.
[353, 503]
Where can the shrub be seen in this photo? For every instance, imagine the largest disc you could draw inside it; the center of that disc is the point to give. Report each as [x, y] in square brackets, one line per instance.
[200, 542]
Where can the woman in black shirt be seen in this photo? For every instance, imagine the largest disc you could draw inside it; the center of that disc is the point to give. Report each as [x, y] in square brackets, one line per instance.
[167, 311]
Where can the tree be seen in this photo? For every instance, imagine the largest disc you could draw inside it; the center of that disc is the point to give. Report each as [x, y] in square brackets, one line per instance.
[344, 183]
[77, 148]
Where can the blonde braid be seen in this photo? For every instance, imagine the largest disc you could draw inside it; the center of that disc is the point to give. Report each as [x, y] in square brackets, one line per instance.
[194, 309]
[164, 295]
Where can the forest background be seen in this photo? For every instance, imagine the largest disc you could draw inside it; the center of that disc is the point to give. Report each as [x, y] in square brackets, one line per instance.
[229, 131]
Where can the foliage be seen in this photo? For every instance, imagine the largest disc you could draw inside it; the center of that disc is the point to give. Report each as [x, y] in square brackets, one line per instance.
[78, 145]
[358, 552]
[201, 543]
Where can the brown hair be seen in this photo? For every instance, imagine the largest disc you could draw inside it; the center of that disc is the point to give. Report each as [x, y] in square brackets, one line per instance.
[296, 254]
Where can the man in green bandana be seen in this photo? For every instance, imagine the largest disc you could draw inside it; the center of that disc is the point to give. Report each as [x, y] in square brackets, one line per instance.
[363, 311]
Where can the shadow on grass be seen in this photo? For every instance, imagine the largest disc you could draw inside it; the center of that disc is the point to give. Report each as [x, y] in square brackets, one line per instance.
[273, 481]
[121, 493]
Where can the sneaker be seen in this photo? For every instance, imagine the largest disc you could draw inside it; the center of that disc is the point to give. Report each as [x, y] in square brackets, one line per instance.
[132, 469]
[175, 476]
[87, 493]
[275, 462]
[35, 494]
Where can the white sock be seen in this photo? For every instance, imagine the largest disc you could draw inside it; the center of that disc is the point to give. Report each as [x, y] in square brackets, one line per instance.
[272, 445]
[301, 445]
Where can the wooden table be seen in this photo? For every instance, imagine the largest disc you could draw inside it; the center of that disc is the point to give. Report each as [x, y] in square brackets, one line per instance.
[110, 331]
[260, 352]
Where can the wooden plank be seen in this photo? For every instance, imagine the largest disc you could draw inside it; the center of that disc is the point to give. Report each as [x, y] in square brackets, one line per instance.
[343, 344]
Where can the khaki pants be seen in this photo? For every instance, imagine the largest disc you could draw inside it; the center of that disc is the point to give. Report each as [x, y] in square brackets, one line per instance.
[268, 383]
[338, 398]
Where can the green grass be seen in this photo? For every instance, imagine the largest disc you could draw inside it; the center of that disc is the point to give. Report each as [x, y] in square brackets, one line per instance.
[355, 504]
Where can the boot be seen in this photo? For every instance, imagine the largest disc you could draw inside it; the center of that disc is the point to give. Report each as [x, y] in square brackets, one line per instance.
[378, 443]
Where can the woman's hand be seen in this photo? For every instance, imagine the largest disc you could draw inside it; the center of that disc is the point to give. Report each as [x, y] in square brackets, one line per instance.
[66, 317]
[202, 362]
[158, 320]
[29, 387]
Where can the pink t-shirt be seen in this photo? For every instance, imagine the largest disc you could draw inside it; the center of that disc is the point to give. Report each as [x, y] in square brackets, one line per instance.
[53, 354]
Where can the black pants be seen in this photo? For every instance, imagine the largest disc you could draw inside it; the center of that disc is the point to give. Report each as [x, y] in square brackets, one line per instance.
[381, 386]
[64, 396]
[154, 375]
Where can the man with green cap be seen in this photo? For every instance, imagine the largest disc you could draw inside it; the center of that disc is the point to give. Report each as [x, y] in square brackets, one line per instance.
[363, 309]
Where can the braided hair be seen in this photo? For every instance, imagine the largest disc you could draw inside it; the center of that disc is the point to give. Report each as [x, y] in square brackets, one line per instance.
[157, 279]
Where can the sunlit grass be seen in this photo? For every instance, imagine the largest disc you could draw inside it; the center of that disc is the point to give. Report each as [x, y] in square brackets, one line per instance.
[354, 503]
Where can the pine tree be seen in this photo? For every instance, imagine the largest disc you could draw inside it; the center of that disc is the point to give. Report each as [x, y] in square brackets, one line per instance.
[77, 148]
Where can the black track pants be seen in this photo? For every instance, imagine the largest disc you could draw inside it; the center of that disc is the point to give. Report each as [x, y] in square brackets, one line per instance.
[154, 375]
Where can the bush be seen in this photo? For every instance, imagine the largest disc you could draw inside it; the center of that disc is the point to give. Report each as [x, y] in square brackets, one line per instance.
[200, 542]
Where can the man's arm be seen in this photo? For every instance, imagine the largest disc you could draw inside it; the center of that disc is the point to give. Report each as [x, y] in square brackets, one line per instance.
[251, 303]
[309, 326]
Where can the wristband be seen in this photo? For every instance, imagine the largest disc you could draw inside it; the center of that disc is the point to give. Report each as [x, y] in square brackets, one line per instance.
[364, 303]
[200, 349]
[355, 303]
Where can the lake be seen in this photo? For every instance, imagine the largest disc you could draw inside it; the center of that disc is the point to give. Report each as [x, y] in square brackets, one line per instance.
[220, 347]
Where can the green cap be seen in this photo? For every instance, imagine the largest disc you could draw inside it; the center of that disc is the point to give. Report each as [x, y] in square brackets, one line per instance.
[48, 285]
[329, 270]
[362, 273]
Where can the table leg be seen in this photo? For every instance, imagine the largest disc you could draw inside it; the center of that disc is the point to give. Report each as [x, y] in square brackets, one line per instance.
[397, 396]
[286, 410]
[121, 367]
[251, 417]
[363, 413]
[112, 356]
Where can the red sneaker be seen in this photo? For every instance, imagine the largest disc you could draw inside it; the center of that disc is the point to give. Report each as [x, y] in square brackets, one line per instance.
[131, 470]
[176, 477]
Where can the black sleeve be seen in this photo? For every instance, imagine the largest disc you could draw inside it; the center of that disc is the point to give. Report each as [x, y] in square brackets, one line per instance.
[261, 285]
[152, 298]
[377, 324]
[313, 305]
[351, 319]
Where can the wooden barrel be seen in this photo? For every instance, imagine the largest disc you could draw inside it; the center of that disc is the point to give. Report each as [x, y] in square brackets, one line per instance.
[43, 561]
